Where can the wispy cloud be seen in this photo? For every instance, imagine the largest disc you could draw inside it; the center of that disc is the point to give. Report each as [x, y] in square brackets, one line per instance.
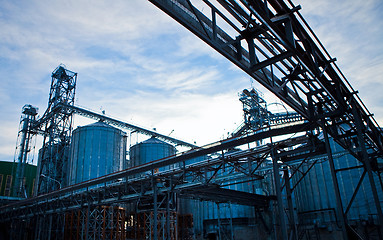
[351, 32]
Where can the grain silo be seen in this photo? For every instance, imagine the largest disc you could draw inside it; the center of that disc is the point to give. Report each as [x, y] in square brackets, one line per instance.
[141, 213]
[96, 150]
[150, 150]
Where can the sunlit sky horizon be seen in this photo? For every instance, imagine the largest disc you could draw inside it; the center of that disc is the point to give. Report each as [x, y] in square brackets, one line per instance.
[142, 67]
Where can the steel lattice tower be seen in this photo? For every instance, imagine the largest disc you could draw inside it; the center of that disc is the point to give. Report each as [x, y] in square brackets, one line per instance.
[56, 127]
[23, 147]
[254, 109]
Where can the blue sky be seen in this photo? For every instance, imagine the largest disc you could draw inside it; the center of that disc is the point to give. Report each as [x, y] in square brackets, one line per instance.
[139, 65]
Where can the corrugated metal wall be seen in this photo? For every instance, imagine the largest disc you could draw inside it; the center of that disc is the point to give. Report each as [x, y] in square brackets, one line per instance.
[97, 149]
[315, 196]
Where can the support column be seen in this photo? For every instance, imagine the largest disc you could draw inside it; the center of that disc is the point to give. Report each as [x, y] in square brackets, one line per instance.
[170, 197]
[49, 230]
[231, 223]
[293, 226]
[87, 221]
[168, 216]
[38, 227]
[155, 212]
[219, 222]
[277, 184]
[62, 229]
[339, 206]
[380, 180]
[367, 165]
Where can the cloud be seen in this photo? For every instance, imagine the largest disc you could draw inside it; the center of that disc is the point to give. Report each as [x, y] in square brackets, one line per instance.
[351, 32]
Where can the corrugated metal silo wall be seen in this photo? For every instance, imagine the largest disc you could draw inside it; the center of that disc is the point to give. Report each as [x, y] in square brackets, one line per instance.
[315, 196]
[97, 149]
[150, 150]
[147, 151]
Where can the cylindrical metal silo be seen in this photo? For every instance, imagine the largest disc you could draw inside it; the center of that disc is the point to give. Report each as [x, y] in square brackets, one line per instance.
[97, 149]
[145, 152]
[150, 150]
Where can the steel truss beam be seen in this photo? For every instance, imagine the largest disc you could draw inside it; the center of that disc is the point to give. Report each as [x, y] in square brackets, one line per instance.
[90, 114]
[271, 42]
[62, 107]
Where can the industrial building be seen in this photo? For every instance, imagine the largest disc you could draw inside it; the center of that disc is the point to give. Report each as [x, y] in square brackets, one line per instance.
[7, 170]
[313, 172]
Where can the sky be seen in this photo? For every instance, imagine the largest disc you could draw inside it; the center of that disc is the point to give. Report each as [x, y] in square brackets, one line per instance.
[140, 66]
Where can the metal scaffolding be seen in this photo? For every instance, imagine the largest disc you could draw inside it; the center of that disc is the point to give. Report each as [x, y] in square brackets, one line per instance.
[142, 225]
[98, 222]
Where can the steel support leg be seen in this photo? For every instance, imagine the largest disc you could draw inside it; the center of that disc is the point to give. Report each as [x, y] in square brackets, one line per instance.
[62, 227]
[367, 165]
[355, 192]
[170, 198]
[87, 223]
[219, 222]
[38, 227]
[231, 223]
[293, 226]
[155, 212]
[168, 216]
[277, 184]
[49, 230]
[380, 180]
[339, 206]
